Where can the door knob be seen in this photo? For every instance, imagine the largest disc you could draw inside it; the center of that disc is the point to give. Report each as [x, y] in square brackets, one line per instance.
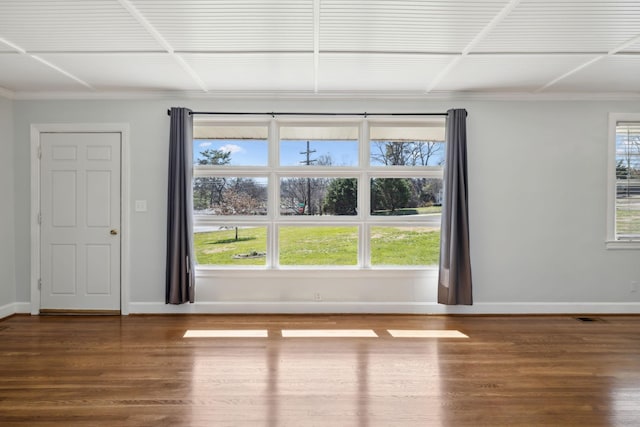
[113, 232]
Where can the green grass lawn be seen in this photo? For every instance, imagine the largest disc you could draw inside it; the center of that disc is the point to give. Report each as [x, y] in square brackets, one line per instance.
[318, 245]
[219, 247]
[627, 221]
[321, 245]
[405, 246]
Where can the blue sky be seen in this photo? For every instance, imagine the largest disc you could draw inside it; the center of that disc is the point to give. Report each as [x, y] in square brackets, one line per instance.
[628, 149]
[245, 152]
[253, 152]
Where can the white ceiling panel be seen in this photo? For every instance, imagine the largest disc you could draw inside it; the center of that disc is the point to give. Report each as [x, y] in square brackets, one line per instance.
[22, 73]
[564, 26]
[241, 25]
[501, 73]
[405, 26]
[125, 71]
[633, 48]
[256, 71]
[68, 25]
[421, 47]
[6, 48]
[622, 71]
[379, 72]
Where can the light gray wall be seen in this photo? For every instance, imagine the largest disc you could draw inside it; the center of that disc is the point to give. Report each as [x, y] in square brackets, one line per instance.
[537, 205]
[538, 176]
[7, 236]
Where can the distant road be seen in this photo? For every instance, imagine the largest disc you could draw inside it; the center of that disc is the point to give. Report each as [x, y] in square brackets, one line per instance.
[430, 220]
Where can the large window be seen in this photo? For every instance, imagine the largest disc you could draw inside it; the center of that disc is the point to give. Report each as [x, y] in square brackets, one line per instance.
[624, 191]
[309, 193]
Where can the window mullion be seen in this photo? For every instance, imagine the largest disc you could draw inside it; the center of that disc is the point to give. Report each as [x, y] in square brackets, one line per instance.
[364, 195]
[274, 195]
[363, 171]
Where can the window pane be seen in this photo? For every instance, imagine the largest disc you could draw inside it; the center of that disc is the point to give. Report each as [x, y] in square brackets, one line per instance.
[628, 180]
[407, 196]
[628, 216]
[228, 245]
[316, 219]
[318, 196]
[230, 145]
[229, 196]
[407, 146]
[318, 245]
[415, 246]
[318, 146]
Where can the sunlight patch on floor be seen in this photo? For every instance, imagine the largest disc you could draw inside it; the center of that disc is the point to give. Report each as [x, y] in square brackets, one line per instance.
[321, 333]
[329, 333]
[226, 333]
[416, 333]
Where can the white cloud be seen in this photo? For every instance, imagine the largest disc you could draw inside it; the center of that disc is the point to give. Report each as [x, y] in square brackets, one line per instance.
[204, 144]
[231, 148]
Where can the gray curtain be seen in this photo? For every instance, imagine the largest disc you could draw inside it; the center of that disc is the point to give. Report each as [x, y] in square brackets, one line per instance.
[180, 263]
[454, 277]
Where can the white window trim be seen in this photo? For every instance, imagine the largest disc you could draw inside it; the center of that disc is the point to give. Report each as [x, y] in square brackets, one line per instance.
[273, 220]
[611, 241]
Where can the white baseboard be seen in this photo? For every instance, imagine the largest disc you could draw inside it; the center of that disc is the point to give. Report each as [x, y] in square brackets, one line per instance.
[7, 310]
[297, 307]
[382, 307]
[13, 308]
[23, 307]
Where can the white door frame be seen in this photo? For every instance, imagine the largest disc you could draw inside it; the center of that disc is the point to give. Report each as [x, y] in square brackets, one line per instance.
[36, 130]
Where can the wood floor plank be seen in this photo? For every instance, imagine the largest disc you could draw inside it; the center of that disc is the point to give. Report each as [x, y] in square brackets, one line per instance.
[141, 371]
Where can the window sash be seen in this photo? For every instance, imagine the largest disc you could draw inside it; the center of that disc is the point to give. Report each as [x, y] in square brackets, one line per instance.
[623, 200]
[363, 172]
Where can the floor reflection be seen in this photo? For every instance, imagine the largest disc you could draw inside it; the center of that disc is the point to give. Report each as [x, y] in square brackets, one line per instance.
[439, 376]
[138, 370]
[272, 395]
[363, 385]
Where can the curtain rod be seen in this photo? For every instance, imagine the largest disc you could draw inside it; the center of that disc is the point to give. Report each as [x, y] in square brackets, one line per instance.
[274, 113]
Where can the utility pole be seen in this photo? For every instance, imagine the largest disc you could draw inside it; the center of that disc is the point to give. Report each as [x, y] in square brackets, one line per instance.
[308, 162]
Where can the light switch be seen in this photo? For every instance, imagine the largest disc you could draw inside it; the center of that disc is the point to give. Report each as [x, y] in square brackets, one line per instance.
[141, 205]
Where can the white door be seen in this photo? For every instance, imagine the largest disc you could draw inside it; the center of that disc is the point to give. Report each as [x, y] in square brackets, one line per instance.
[80, 221]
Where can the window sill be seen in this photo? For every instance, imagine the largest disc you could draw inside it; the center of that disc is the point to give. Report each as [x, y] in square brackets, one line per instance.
[316, 272]
[622, 244]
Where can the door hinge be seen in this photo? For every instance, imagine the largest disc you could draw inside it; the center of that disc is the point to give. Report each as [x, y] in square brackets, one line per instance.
[39, 218]
[39, 152]
[39, 284]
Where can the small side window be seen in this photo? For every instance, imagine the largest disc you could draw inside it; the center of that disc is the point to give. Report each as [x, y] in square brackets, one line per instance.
[624, 181]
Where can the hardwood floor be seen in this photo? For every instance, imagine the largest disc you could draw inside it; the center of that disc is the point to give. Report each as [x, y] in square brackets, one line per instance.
[141, 371]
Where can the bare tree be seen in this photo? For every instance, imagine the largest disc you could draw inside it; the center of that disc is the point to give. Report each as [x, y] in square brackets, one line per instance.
[303, 195]
[407, 153]
[294, 193]
[242, 196]
[424, 152]
[207, 191]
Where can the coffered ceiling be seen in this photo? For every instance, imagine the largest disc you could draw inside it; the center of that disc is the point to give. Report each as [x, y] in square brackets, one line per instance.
[421, 48]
